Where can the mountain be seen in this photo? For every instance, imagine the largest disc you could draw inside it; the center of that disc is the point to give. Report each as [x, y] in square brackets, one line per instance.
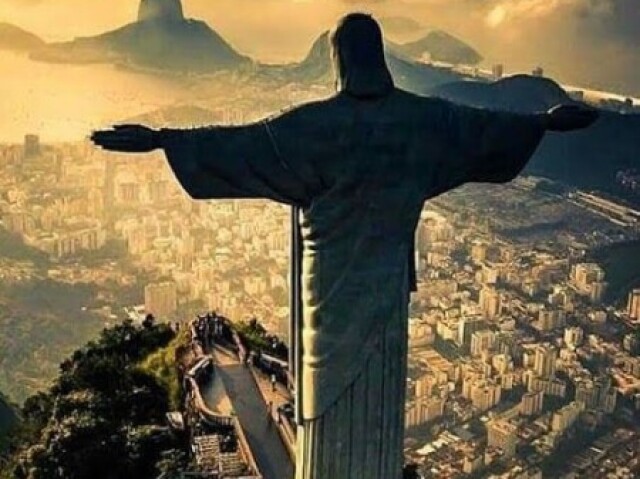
[591, 158]
[176, 116]
[520, 93]
[408, 74]
[420, 78]
[160, 10]
[439, 46]
[401, 27]
[317, 65]
[161, 38]
[15, 38]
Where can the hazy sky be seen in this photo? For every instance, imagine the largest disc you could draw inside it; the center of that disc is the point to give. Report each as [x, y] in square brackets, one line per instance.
[581, 41]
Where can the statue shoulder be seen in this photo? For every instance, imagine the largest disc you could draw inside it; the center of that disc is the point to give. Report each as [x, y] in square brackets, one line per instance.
[416, 101]
[309, 108]
[422, 109]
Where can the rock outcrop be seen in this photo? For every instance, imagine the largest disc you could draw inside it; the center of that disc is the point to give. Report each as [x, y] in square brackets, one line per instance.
[160, 11]
[15, 38]
[162, 38]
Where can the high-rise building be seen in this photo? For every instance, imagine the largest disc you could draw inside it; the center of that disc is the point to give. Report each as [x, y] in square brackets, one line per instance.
[596, 292]
[597, 393]
[161, 299]
[466, 327]
[488, 275]
[631, 343]
[423, 410]
[573, 337]
[31, 146]
[588, 279]
[549, 319]
[482, 341]
[561, 296]
[478, 252]
[633, 305]
[565, 417]
[545, 361]
[632, 366]
[502, 434]
[472, 463]
[490, 302]
[531, 403]
[551, 387]
[484, 393]
[425, 385]
[420, 333]
[502, 363]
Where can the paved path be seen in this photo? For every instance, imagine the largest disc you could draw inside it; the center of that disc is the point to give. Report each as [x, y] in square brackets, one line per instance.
[215, 396]
[262, 434]
[278, 397]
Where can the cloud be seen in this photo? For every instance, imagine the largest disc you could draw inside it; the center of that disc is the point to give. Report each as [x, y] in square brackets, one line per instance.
[609, 19]
[505, 10]
[588, 42]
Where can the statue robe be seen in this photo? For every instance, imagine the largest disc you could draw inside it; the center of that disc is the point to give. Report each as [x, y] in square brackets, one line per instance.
[358, 172]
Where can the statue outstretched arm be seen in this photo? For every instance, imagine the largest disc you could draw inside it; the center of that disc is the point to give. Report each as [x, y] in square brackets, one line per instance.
[482, 145]
[127, 139]
[226, 161]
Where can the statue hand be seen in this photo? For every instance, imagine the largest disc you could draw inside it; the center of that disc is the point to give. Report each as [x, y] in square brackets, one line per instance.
[571, 117]
[127, 138]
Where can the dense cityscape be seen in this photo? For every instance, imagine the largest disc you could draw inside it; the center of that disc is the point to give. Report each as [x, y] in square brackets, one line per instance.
[140, 324]
[521, 353]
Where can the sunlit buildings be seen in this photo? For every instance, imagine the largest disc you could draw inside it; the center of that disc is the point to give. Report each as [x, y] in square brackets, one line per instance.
[545, 361]
[633, 304]
[160, 299]
[565, 417]
[531, 403]
[588, 279]
[31, 146]
[502, 434]
[490, 302]
[573, 337]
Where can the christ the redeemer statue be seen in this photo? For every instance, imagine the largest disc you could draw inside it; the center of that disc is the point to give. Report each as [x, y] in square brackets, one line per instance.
[357, 168]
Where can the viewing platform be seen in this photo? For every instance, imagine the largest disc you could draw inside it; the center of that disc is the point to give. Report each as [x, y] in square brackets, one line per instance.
[236, 433]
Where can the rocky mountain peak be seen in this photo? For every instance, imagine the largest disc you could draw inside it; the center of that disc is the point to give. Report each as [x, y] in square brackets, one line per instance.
[160, 10]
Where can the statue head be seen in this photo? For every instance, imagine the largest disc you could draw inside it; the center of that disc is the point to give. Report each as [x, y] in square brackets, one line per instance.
[358, 57]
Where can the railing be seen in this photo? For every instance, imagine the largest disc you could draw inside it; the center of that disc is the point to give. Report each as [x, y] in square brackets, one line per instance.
[210, 417]
[244, 448]
[242, 351]
[197, 369]
[204, 412]
[288, 435]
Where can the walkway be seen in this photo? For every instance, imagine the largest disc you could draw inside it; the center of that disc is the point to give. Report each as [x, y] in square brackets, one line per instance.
[262, 434]
[278, 398]
[215, 396]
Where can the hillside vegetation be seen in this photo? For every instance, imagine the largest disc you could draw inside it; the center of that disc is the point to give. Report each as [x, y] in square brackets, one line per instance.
[104, 416]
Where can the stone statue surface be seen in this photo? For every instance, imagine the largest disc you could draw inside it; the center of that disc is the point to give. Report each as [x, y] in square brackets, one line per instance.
[357, 168]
